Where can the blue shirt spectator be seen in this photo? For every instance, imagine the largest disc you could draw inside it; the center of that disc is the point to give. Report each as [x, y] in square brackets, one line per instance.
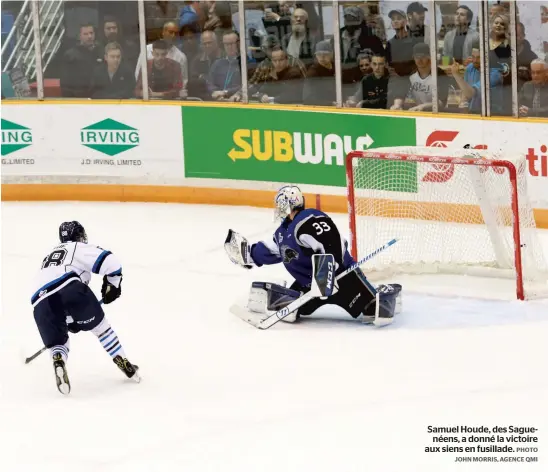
[470, 84]
[188, 16]
[225, 78]
[472, 76]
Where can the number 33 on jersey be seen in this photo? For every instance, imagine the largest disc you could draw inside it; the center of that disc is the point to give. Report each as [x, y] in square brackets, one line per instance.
[295, 241]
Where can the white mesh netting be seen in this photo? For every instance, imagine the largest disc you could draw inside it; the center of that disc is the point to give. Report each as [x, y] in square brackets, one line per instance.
[448, 218]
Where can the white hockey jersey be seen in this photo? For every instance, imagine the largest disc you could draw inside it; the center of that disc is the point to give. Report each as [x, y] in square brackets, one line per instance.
[74, 262]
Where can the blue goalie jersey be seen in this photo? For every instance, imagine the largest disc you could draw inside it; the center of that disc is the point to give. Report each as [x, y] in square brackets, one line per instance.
[296, 241]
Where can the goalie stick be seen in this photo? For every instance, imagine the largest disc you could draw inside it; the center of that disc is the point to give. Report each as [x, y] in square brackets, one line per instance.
[272, 319]
[37, 353]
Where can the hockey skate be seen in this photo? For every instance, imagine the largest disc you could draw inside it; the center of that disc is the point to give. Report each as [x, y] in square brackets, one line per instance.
[61, 376]
[129, 369]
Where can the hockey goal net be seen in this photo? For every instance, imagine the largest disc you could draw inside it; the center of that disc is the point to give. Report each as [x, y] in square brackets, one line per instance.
[453, 211]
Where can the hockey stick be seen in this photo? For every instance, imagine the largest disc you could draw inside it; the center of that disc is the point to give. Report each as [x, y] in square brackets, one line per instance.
[37, 353]
[272, 319]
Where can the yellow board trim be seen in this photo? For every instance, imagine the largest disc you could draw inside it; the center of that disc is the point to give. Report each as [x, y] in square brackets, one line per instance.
[225, 196]
[334, 110]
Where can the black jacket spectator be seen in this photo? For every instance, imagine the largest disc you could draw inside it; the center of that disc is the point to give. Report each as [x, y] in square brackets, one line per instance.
[524, 59]
[319, 88]
[365, 40]
[374, 92]
[526, 55]
[112, 32]
[121, 85]
[399, 54]
[500, 58]
[79, 63]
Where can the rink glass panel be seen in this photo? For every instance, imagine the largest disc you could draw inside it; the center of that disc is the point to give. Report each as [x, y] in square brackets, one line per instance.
[511, 37]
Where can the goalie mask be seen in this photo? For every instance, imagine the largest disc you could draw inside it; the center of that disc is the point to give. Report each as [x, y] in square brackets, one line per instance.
[287, 199]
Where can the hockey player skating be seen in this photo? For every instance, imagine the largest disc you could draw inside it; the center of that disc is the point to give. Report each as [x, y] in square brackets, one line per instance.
[63, 301]
[306, 241]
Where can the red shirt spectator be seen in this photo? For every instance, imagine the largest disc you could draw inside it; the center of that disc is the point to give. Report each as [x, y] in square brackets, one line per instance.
[165, 80]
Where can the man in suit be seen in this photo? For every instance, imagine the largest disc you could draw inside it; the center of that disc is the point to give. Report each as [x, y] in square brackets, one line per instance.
[534, 94]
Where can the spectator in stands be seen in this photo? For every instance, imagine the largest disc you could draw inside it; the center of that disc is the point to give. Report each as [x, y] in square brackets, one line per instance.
[525, 56]
[364, 63]
[201, 65]
[534, 94]
[165, 80]
[277, 19]
[356, 36]
[190, 16]
[299, 43]
[225, 77]
[470, 84]
[416, 18]
[421, 83]
[157, 14]
[79, 63]
[266, 67]
[352, 76]
[498, 8]
[112, 34]
[189, 42]
[372, 91]
[217, 16]
[373, 19]
[285, 85]
[319, 88]
[399, 49]
[458, 42]
[169, 35]
[499, 40]
[113, 78]
[500, 58]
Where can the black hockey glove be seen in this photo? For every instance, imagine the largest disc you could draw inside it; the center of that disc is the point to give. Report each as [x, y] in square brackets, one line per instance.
[109, 291]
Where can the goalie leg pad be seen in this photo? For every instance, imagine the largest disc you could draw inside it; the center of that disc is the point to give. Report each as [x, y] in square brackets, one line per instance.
[386, 304]
[392, 294]
[323, 269]
[266, 296]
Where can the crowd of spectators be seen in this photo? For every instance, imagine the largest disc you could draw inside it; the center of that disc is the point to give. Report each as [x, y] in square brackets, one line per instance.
[193, 52]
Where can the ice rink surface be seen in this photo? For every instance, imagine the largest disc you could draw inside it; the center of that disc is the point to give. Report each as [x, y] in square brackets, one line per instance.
[326, 394]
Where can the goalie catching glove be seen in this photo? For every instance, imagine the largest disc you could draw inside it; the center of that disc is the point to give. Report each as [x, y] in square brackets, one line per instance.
[238, 250]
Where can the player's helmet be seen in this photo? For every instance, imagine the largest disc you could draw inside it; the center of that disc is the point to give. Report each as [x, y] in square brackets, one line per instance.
[72, 231]
[287, 199]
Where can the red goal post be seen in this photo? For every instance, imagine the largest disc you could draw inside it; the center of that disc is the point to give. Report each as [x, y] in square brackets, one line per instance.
[376, 204]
